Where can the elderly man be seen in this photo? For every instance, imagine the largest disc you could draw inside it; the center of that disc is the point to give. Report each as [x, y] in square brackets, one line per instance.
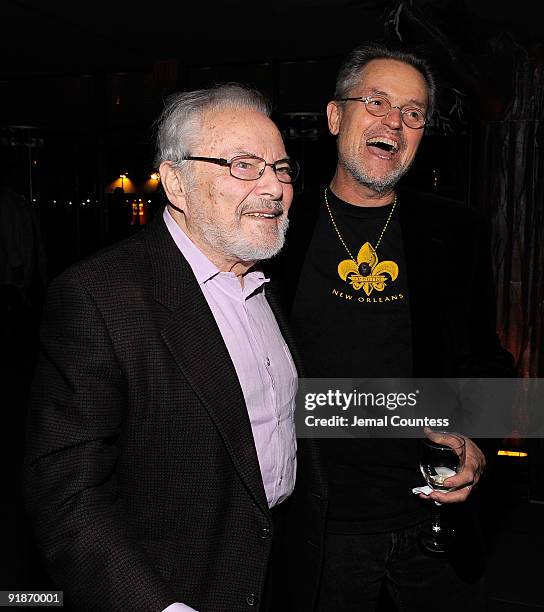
[161, 442]
[393, 285]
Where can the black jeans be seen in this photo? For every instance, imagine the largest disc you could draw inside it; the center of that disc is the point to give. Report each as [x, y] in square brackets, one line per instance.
[355, 566]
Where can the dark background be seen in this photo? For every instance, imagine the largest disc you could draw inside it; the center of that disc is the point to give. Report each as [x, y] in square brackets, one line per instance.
[82, 83]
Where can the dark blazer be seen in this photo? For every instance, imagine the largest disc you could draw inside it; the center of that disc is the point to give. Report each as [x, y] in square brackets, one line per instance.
[451, 288]
[142, 477]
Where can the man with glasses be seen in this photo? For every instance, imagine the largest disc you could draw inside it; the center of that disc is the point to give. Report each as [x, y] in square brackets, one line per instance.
[161, 446]
[393, 285]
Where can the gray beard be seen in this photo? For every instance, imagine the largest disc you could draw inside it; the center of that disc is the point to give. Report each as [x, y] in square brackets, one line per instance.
[234, 245]
[379, 185]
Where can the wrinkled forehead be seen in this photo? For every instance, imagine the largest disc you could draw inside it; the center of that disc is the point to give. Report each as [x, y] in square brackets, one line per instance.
[393, 79]
[234, 130]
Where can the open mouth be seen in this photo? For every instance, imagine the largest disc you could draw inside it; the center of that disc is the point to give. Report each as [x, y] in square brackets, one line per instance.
[263, 215]
[382, 146]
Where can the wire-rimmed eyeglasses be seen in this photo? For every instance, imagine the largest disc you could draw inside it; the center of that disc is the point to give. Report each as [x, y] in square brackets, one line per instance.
[379, 106]
[251, 168]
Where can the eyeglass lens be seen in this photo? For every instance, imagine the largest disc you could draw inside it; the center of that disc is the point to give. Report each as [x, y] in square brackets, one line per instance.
[251, 168]
[379, 107]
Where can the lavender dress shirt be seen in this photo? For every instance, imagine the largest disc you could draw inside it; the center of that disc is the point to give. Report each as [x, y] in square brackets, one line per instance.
[262, 360]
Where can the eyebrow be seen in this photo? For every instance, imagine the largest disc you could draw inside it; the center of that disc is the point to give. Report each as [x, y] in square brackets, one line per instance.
[244, 152]
[412, 101]
[241, 152]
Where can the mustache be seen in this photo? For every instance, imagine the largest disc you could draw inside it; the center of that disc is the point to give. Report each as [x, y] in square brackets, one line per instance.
[261, 205]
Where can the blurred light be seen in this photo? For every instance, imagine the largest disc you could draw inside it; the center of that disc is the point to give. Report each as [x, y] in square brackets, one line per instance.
[507, 453]
[123, 182]
[152, 183]
[139, 212]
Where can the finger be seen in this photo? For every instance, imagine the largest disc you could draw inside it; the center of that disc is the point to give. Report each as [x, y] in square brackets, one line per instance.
[439, 436]
[453, 497]
[478, 472]
[463, 479]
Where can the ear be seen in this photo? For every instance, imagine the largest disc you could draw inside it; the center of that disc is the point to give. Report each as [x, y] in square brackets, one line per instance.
[172, 184]
[334, 117]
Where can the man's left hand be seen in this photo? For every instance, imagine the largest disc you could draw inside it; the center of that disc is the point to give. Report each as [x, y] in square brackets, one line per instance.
[465, 480]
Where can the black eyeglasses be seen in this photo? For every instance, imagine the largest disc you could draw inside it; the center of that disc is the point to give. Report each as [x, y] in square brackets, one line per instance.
[250, 168]
[379, 106]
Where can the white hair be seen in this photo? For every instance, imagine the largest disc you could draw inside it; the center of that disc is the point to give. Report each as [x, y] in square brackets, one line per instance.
[179, 123]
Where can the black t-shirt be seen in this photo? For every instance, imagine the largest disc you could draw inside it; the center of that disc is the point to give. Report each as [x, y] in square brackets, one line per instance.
[346, 326]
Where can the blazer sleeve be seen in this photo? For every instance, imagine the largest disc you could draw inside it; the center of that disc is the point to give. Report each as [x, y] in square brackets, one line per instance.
[488, 358]
[75, 421]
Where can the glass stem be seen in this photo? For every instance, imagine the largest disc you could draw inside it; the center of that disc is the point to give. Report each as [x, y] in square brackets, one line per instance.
[436, 515]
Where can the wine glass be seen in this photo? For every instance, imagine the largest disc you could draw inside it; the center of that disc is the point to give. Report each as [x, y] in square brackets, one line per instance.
[441, 455]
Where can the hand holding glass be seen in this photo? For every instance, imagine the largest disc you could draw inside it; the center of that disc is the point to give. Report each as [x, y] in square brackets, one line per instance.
[442, 455]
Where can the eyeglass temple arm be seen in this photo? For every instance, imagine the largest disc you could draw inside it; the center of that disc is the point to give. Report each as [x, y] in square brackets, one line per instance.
[220, 161]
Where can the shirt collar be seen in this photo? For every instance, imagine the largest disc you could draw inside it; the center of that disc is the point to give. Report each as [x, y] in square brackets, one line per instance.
[202, 267]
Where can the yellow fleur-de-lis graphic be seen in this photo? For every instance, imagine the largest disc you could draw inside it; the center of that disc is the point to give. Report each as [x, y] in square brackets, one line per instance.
[367, 273]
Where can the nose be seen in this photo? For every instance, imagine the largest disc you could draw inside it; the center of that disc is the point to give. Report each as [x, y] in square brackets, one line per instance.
[268, 185]
[393, 119]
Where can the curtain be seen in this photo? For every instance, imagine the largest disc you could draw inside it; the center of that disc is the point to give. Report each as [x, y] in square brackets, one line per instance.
[509, 183]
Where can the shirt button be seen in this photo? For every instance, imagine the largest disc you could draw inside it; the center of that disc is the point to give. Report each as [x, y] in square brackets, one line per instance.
[252, 599]
[264, 534]
[267, 361]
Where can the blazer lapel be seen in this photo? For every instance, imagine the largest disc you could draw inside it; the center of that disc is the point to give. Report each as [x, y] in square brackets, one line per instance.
[196, 344]
[272, 297]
